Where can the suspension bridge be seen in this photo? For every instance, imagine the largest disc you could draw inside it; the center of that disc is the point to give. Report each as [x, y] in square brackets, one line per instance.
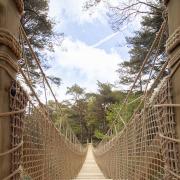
[32, 147]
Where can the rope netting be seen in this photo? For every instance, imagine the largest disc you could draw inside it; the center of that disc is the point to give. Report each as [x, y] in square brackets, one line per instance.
[43, 151]
[146, 147]
[39, 148]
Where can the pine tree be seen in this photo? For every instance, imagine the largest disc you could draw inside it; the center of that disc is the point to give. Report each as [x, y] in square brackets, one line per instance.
[139, 46]
[39, 29]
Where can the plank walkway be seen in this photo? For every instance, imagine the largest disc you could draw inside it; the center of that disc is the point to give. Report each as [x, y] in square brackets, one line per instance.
[90, 170]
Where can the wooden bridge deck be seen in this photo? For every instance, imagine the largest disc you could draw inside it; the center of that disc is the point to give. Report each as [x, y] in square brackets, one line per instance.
[90, 170]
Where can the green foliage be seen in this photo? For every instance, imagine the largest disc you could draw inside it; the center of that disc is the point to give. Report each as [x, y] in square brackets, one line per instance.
[91, 115]
[140, 44]
[76, 92]
[98, 134]
[39, 29]
[119, 114]
[78, 106]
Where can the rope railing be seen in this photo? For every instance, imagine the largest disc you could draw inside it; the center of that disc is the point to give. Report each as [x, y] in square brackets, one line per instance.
[48, 153]
[39, 148]
[156, 42]
[45, 80]
[146, 147]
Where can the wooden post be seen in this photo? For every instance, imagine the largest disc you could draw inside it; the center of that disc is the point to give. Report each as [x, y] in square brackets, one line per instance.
[10, 14]
[173, 50]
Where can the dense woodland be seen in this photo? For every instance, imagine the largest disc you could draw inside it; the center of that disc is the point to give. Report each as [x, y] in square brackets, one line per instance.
[92, 114]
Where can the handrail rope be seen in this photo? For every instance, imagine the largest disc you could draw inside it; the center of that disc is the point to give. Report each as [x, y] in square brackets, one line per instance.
[24, 56]
[12, 150]
[158, 40]
[154, 85]
[155, 57]
[145, 61]
[11, 113]
[10, 41]
[37, 62]
[158, 77]
[42, 72]
[154, 61]
[30, 86]
[131, 102]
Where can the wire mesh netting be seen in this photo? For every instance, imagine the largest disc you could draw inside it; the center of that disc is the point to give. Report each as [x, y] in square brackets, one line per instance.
[146, 148]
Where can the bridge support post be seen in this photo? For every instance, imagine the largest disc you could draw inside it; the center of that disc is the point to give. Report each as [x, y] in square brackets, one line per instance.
[173, 50]
[10, 52]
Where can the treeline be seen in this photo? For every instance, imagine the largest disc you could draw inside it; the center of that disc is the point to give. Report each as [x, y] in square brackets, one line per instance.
[92, 114]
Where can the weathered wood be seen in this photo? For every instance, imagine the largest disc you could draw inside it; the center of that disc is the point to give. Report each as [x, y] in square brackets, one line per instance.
[90, 169]
[173, 7]
[10, 22]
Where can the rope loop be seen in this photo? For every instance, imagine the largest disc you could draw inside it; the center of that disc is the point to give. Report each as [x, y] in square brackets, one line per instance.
[19, 5]
[173, 41]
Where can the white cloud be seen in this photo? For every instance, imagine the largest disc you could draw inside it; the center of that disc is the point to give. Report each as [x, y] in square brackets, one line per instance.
[73, 10]
[79, 63]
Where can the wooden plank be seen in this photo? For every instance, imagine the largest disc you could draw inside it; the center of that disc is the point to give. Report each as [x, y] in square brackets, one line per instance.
[90, 169]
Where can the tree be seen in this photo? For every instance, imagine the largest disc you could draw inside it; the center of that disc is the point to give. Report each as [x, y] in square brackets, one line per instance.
[151, 13]
[39, 29]
[125, 11]
[98, 106]
[118, 116]
[79, 110]
[140, 44]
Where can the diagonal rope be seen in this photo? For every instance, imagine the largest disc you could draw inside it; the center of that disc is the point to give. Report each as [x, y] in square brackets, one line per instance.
[39, 66]
[156, 40]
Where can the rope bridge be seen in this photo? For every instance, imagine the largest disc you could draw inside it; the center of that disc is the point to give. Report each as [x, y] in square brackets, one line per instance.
[144, 148]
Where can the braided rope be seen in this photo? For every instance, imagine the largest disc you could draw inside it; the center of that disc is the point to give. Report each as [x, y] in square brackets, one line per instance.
[19, 5]
[152, 151]
[11, 113]
[155, 42]
[9, 40]
[173, 41]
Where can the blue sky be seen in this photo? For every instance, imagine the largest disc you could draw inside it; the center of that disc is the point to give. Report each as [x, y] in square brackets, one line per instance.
[90, 51]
